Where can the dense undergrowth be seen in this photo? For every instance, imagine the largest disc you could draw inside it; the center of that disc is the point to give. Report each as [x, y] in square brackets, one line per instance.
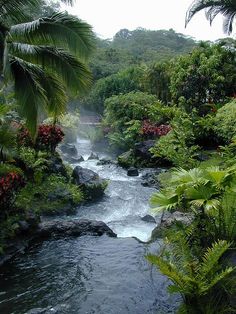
[33, 179]
[182, 115]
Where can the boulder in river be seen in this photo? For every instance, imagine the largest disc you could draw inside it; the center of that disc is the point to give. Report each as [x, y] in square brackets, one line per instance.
[142, 149]
[69, 149]
[74, 160]
[90, 182]
[132, 172]
[148, 218]
[55, 165]
[103, 162]
[73, 228]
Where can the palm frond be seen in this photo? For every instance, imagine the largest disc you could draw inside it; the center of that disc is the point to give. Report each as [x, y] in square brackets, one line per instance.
[215, 175]
[61, 30]
[164, 201]
[11, 11]
[74, 73]
[198, 192]
[214, 7]
[182, 176]
[28, 91]
[56, 96]
[36, 91]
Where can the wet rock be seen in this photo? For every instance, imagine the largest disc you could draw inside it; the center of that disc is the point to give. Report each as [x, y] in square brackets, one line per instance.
[93, 156]
[142, 149]
[24, 226]
[90, 182]
[150, 179]
[69, 149]
[32, 219]
[132, 172]
[168, 220]
[103, 162]
[55, 165]
[73, 228]
[74, 160]
[148, 218]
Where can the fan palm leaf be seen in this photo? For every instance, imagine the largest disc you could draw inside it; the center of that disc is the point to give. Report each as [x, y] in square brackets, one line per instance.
[214, 7]
[164, 200]
[216, 175]
[188, 177]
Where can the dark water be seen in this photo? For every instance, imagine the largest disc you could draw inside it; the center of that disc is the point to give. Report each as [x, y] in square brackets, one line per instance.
[94, 275]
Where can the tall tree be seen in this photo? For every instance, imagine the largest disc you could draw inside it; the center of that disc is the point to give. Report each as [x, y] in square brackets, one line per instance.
[214, 7]
[45, 58]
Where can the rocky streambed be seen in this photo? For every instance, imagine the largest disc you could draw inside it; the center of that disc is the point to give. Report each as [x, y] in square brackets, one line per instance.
[93, 261]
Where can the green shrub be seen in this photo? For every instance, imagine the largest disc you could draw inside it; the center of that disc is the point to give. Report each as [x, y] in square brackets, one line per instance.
[53, 195]
[201, 279]
[224, 122]
[178, 146]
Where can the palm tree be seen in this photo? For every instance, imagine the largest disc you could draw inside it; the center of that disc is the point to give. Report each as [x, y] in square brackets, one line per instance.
[213, 8]
[45, 59]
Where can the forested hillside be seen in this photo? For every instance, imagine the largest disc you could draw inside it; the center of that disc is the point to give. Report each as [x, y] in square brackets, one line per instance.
[135, 47]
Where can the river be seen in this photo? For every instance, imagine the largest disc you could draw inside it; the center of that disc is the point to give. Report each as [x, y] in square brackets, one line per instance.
[93, 275]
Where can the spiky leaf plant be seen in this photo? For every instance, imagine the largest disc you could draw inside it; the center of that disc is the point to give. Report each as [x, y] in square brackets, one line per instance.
[196, 278]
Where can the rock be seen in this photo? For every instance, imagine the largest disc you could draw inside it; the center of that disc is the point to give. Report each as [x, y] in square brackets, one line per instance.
[74, 160]
[90, 182]
[69, 149]
[176, 216]
[32, 219]
[132, 172]
[103, 162]
[148, 218]
[142, 149]
[168, 220]
[73, 228]
[55, 165]
[24, 226]
[150, 180]
[93, 156]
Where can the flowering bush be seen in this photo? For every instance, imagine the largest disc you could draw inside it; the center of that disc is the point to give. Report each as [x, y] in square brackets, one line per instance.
[48, 137]
[150, 129]
[23, 137]
[9, 184]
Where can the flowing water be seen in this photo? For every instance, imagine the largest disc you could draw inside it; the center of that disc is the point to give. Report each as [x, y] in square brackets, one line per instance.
[93, 275]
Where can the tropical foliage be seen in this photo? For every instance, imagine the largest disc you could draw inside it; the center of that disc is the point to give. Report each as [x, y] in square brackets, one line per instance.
[44, 59]
[212, 8]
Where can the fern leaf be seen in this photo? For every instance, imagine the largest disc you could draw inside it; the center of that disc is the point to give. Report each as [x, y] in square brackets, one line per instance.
[211, 258]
